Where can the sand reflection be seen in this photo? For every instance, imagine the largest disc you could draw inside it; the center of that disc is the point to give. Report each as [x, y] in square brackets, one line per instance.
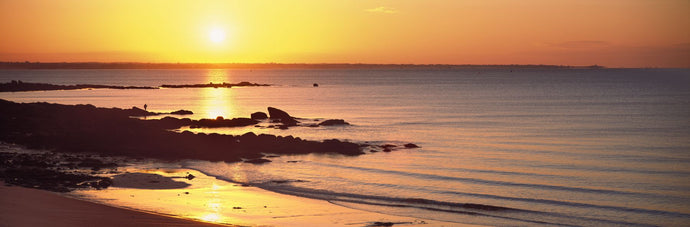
[211, 218]
[214, 208]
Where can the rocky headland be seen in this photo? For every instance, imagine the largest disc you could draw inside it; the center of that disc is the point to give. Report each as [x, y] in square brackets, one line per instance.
[113, 131]
[77, 131]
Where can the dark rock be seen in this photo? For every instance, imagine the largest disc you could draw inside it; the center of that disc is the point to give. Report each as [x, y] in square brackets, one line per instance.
[95, 164]
[111, 131]
[275, 113]
[190, 176]
[182, 112]
[221, 122]
[284, 117]
[345, 148]
[22, 86]
[214, 85]
[287, 181]
[315, 85]
[387, 146]
[259, 116]
[136, 111]
[333, 122]
[170, 122]
[51, 180]
[257, 161]
[411, 145]
[382, 224]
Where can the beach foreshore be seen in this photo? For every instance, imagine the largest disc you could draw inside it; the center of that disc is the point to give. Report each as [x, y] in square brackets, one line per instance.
[21, 206]
[135, 200]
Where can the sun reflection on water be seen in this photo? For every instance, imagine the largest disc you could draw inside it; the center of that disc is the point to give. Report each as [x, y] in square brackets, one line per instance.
[218, 101]
[217, 76]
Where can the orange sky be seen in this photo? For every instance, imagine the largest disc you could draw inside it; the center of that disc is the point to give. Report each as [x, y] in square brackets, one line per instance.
[614, 33]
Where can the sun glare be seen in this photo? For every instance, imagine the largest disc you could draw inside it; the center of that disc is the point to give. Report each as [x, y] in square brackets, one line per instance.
[216, 35]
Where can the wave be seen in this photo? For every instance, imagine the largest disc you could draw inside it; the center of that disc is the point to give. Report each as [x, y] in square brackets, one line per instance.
[458, 210]
[472, 209]
[497, 183]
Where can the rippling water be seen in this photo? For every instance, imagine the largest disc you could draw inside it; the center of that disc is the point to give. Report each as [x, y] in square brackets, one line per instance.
[578, 147]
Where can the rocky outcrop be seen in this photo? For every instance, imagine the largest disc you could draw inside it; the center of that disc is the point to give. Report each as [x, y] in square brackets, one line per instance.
[332, 122]
[15, 86]
[52, 172]
[214, 85]
[259, 116]
[182, 112]
[281, 116]
[220, 122]
[111, 131]
[257, 161]
[411, 145]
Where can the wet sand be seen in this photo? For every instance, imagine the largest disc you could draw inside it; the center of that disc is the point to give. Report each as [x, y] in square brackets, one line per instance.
[165, 197]
[209, 199]
[32, 207]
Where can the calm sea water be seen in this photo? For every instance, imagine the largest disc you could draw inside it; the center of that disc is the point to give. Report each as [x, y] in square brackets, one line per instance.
[581, 147]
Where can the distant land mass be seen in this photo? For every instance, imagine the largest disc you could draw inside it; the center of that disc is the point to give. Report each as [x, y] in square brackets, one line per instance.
[140, 65]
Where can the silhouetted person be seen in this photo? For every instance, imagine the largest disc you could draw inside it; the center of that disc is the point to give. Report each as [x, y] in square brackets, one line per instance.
[145, 106]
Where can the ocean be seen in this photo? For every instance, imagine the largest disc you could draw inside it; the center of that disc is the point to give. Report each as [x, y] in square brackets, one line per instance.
[499, 146]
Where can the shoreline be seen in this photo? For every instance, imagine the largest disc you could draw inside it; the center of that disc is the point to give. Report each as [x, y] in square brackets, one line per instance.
[150, 192]
[20, 86]
[205, 201]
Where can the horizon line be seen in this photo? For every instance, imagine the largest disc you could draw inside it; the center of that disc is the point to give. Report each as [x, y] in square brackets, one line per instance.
[182, 65]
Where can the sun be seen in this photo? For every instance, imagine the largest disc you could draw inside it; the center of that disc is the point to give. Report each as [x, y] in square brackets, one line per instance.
[216, 35]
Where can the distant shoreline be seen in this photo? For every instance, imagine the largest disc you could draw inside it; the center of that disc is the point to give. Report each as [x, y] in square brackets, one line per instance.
[19, 86]
[140, 65]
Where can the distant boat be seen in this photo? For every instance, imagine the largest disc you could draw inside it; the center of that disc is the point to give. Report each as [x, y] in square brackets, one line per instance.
[316, 85]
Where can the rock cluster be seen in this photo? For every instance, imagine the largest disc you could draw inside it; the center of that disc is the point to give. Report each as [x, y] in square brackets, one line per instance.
[59, 173]
[111, 131]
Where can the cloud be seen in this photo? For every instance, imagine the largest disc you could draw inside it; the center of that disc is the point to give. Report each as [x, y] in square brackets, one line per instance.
[581, 44]
[382, 9]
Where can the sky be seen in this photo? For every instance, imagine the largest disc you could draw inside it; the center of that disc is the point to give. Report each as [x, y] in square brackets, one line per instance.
[612, 33]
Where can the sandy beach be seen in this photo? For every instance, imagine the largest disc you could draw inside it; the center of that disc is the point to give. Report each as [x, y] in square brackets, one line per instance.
[206, 198]
[202, 199]
[31, 207]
